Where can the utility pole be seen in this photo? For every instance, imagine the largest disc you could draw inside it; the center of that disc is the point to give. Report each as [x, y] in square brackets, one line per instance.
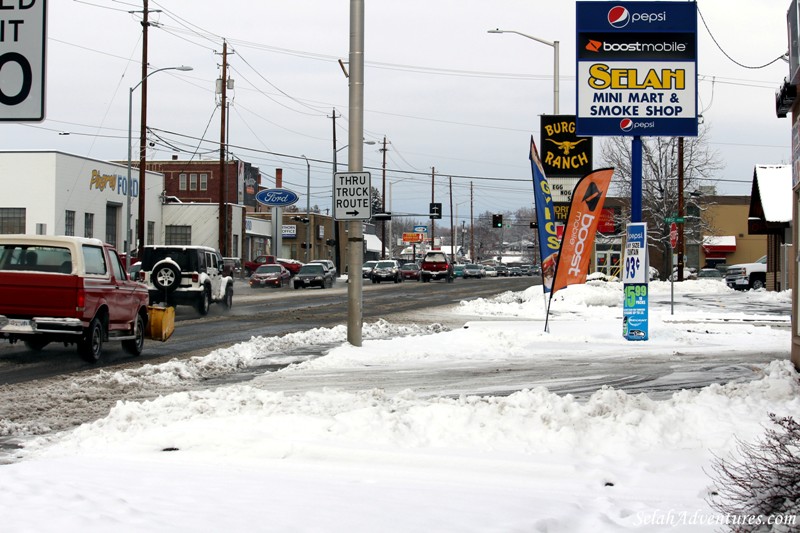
[143, 134]
[336, 231]
[383, 202]
[223, 227]
[433, 199]
[452, 227]
[471, 226]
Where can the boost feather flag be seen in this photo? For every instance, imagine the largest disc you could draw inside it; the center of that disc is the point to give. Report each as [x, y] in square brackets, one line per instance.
[577, 243]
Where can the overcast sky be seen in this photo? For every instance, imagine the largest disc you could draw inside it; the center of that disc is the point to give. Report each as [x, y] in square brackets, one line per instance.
[444, 92]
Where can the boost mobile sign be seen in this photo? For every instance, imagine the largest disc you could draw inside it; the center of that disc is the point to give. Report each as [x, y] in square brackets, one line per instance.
[637, 68]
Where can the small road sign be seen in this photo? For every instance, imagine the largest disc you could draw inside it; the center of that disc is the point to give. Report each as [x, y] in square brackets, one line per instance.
[351, 196]
[413, 237]
[673, 235]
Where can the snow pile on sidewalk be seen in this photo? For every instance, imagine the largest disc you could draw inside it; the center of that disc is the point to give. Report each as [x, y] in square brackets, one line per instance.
[249, 458]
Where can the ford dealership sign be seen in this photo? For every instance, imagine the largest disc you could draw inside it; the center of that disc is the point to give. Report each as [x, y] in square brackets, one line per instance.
[276, 197]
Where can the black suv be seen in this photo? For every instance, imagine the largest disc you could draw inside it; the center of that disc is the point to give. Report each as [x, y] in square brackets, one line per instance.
[186, 275]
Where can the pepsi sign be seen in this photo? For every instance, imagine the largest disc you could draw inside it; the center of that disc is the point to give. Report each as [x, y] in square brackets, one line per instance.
[636, 66]
[276, 197]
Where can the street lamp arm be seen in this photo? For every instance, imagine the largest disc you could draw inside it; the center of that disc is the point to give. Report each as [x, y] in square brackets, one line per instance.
[548, 43]
[128, 236]
[556, 61]
[182, 68]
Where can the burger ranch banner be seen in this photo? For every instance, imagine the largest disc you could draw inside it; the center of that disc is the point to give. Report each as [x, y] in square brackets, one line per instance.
[637, 68]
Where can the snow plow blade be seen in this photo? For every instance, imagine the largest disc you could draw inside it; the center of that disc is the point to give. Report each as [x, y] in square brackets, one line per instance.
[161, 322]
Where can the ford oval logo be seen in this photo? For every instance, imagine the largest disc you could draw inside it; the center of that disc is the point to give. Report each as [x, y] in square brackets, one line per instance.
[276, 197]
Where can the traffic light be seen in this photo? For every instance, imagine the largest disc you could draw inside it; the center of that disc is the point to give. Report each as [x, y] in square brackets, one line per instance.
[497, 221]
[436, 210]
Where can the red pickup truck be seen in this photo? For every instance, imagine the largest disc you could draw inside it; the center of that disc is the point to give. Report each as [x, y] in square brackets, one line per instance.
[69, 289]
[436, 265]
[251, 266]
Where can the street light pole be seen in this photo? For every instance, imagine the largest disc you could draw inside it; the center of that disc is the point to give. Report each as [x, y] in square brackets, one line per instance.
[555, 46]
[128, 192]
[308, 206]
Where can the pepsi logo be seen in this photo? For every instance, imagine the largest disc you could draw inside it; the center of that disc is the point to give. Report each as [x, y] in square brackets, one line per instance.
[618, 17]
[626, 124]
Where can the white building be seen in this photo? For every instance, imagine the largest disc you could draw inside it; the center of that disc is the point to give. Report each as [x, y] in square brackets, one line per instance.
[55, 193]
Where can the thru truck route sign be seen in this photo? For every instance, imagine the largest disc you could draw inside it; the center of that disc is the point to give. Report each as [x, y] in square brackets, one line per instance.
[351, 196]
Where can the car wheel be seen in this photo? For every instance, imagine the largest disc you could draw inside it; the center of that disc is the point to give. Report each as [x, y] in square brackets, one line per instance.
[296, 286]
[757, 284]
[90, 347]
[204, 304]
[135, 346]
[166, 276]
[227, 302]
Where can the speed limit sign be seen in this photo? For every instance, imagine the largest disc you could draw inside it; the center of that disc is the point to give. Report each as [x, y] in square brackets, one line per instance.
[23, 36]
[673, 235]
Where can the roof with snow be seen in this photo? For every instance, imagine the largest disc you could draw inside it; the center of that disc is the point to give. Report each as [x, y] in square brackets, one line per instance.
[771, 199]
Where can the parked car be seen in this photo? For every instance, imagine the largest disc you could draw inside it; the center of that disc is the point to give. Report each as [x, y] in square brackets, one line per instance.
[251, 266]
[502, 270]
[710, 273]
[270, 276]
[527, 270]
[745, 276]
[515, 272]
[386, 270]
[472, 271]
[291, 265]
[536, 270]
[232, 266]
[458, 271]
[313, 275]
[366, 269]
[133, 271]
[436, 265]
[491, 272]
[328, 263]
[688, 273]
[186, 275]
[410, 271]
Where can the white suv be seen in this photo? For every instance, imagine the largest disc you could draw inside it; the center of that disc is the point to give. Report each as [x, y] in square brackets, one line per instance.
[328, 263]
[186, 275]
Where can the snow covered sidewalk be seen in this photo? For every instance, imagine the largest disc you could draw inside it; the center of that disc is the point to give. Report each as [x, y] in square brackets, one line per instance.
[259, 457]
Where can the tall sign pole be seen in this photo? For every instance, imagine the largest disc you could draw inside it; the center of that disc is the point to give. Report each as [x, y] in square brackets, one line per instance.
[355, 163]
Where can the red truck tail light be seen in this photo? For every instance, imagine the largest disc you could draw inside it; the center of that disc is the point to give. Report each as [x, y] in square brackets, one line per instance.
[195, 277]
[81, 301]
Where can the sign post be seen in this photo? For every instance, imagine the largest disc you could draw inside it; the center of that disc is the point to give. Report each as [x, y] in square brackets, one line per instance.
[22, 60]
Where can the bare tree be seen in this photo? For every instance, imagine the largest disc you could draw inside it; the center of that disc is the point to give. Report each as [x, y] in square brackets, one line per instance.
[761, 480]
[660, 180]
